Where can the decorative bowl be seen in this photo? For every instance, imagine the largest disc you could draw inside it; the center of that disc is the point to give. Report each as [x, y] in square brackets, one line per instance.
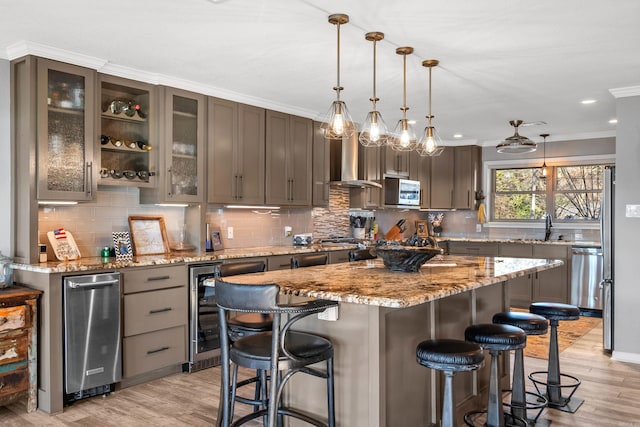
[406, 258]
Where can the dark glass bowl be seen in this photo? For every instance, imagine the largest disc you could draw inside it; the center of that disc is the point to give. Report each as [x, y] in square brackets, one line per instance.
[406, 258]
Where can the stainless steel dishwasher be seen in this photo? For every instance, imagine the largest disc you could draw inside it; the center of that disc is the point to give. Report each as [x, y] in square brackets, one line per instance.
[92, 353]
[586, 273]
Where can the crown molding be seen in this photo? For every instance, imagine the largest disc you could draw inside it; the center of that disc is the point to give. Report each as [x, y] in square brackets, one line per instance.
[623, 92]
[25, 47]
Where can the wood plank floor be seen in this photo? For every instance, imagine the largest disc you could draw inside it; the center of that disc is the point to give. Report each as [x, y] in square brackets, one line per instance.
[611, 391]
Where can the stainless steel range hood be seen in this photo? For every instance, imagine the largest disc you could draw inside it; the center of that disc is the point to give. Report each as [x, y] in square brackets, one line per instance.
[343, 164]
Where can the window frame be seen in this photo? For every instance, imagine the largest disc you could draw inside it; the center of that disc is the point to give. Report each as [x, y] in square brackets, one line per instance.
[488, 171]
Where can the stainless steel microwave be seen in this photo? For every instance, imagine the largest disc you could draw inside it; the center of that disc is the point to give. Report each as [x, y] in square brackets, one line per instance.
[398, 191]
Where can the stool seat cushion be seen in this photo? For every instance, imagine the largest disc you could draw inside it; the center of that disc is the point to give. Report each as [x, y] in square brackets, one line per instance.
[449, 354]
[555, 311]
[530, 323]
[496, 337]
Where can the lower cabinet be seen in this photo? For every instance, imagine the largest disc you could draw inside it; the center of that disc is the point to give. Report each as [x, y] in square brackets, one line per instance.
[473, 248]
[336, 257]
[155, 319]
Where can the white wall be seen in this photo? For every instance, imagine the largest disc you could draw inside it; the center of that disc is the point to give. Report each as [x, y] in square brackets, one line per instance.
[6, 176]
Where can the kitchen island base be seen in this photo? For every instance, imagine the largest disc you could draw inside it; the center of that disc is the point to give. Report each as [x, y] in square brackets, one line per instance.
[378, 380]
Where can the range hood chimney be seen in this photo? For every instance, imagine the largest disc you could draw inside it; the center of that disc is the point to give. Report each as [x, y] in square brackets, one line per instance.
[343, 164]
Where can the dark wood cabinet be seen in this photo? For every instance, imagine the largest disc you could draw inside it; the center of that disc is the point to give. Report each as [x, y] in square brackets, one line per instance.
[396, 163]
[442, 175]
[320, 188]
[369, 169]
[467, 164]
[420, 170]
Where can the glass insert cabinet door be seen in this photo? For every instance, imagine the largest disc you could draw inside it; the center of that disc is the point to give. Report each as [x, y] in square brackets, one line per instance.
[184, 147]
[65, 97]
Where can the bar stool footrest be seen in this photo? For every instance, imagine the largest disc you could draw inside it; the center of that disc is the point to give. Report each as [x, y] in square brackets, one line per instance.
[478, 419]
[565, 404]
[534, 401]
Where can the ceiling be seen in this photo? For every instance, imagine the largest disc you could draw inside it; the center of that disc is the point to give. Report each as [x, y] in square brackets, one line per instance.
[499, 59]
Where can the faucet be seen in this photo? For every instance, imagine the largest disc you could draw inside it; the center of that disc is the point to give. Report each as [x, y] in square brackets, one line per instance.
[547, 227]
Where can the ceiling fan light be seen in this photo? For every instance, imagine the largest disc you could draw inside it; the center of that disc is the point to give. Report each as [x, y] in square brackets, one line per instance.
[374, 131]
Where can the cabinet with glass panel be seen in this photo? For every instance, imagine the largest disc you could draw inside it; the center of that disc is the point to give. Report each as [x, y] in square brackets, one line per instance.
[127, 135]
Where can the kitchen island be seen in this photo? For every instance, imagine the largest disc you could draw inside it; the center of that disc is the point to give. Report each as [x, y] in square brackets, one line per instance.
[382, 317]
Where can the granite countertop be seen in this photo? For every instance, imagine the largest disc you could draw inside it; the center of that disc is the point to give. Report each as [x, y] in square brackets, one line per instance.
[583, 243]
[370, 283]
[98, 263]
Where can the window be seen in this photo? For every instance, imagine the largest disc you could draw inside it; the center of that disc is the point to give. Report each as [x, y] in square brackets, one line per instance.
[569, 193]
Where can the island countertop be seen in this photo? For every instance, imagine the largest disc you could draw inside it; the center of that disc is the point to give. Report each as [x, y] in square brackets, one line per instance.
[370, 283]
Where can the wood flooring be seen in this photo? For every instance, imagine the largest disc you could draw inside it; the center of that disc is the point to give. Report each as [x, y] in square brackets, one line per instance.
[611, 391]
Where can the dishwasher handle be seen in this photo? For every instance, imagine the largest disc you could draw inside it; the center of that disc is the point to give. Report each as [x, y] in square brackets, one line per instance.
[98, 284]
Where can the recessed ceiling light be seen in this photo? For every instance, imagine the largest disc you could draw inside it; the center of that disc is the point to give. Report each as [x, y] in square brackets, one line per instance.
[588, 101]
[613, 121]
[411, 122]
[457, 135]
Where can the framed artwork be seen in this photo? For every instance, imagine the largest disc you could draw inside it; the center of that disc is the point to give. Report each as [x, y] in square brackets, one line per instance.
[122, 245]
[216, 240]
[422, 229]
[149, 235]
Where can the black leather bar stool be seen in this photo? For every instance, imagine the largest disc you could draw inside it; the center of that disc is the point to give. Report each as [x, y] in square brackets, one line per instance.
[449, 356]
[531, 324]
[308, 260]
[243, 325]
[294, 353]
[495, 338]
[361, 254]
[556, 312]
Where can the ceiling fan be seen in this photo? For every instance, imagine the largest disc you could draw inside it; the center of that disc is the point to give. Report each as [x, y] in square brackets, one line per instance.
[517, 144]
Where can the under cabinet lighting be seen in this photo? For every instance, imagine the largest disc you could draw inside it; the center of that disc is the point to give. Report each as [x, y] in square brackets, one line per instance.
[56, 202]
[613, 121]
[251, 207]
[588, 101]
[172, 205]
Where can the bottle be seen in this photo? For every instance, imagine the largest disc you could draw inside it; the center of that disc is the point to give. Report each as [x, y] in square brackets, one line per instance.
[105, 252]
[143, 145]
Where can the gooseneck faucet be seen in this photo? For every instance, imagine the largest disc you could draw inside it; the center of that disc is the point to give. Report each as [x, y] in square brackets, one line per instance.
[547, 227]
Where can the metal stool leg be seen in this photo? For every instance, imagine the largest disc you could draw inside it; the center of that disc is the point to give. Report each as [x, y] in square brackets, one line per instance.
[495, 416]
[518, 394]
[554, 392]
[448, 412]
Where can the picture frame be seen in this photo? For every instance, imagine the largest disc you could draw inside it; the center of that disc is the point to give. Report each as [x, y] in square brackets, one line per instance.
[216, 239]
[149, 235]
[122, 245]
[422, 228]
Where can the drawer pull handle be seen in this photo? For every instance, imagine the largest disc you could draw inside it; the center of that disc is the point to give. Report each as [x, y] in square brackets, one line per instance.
[160, 310]
[3, 320]
[158, 350]
[285, 265]
[152, 279]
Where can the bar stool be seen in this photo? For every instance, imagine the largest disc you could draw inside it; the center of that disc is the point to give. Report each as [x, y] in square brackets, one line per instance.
[556, 312]
[495, 338]
[281, 351]
[308, 260]
[449, 356]
[531, 324]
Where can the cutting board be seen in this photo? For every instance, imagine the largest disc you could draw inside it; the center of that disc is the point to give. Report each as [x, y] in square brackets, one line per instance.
[63, 244]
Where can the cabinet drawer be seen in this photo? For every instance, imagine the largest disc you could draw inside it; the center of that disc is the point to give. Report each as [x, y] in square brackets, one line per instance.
[149, 279]
[155, 350]
[279, 262]
[151, 311]
[338, 256]
[14, 349]
[13, 318]
[14, 381]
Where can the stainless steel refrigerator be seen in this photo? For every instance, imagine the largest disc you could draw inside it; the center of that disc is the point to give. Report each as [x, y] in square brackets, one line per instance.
[607, 238]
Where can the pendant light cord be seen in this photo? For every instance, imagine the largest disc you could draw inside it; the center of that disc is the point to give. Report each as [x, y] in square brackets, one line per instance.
[375, 98]
[338, 88]
[404, 89]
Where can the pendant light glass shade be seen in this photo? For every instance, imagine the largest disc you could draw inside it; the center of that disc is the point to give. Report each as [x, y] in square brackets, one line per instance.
[430, 143]
[338, 123]
[544, 155]
[404, 137]
[374, 131]
[516, 144]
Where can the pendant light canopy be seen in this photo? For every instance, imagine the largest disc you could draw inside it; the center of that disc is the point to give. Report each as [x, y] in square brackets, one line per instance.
[516, 144]
[544, 155]
[338, 123]
[430, 143]
[374, 130]
[404, 137]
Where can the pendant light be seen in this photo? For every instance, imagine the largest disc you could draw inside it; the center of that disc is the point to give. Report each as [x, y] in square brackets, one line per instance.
[516, 144]
[430, 143]
[374, 131]
[544, 155]
[338, 123]
[404, 137]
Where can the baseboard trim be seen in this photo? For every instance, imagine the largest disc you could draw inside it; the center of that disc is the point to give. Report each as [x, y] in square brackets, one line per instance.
[621, 356]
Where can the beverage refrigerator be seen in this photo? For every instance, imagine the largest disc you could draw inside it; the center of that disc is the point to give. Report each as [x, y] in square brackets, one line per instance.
[607, 236]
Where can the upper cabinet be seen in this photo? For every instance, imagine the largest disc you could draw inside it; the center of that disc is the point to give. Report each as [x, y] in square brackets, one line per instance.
[128, 141]
[420, 170]
[455, 177]
[289, 142]
[236, 153]
[181, 150]
[396, 163]
[442, 175]
[65, 129]
[321, 150]
[369, 169]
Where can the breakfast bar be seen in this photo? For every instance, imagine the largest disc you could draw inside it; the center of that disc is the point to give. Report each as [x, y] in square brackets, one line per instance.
[382, 317]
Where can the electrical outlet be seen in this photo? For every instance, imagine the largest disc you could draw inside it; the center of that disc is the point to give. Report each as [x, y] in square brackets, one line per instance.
[229, 233]
[478, 228]
[287, 231]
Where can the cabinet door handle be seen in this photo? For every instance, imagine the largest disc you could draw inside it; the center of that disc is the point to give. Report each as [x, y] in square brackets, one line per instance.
[158, 350]
[153, 279]
[89, 178]
[468, 198]
[285, 265]
[169, 182]
[240, 190]
[235, 190]
[160, 310]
